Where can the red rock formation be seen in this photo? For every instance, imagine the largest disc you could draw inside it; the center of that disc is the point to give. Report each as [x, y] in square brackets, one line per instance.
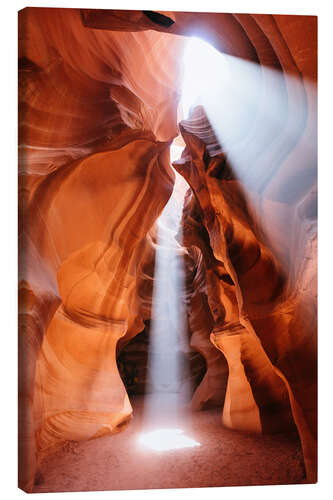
[90, 103]
[98, 95]
[263, 232]
[258, 303]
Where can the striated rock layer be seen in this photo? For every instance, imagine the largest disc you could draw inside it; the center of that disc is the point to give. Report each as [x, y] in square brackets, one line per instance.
[97, 114]
[264, 320]
[257, 201]
[98, 97]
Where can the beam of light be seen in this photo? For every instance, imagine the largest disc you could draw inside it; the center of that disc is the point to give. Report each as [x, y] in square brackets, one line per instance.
[167, 439]
[265, 122]
[199, 58]
[168, 347]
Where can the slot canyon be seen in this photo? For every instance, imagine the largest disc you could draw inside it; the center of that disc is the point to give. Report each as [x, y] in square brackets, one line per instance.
[167, 249]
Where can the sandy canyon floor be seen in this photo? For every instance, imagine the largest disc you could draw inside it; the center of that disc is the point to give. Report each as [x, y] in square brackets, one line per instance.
[224, 458]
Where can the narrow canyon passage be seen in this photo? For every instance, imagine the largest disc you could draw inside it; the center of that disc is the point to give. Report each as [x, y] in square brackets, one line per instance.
[168, 246]
[166, 444]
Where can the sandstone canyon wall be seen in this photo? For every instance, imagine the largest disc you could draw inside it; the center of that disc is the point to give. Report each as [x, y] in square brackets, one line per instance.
[98, 97]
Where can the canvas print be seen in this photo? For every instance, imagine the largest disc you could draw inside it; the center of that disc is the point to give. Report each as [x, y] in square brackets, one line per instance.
[167, 249]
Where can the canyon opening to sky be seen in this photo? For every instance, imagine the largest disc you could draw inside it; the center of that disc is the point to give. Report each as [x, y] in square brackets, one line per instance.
[167, 242]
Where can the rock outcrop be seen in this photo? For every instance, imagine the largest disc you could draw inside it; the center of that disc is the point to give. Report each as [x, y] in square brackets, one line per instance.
[263, 282]
[97, 114]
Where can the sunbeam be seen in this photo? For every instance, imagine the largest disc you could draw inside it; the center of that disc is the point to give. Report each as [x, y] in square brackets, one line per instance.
[167, 363]
[258, 114]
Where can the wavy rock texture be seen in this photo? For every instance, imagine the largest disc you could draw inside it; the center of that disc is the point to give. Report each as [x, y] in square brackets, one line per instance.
[261, 230]
[98, 96]
[97, 113]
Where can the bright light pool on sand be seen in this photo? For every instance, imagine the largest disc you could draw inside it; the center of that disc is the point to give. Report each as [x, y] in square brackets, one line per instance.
[167, 439]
